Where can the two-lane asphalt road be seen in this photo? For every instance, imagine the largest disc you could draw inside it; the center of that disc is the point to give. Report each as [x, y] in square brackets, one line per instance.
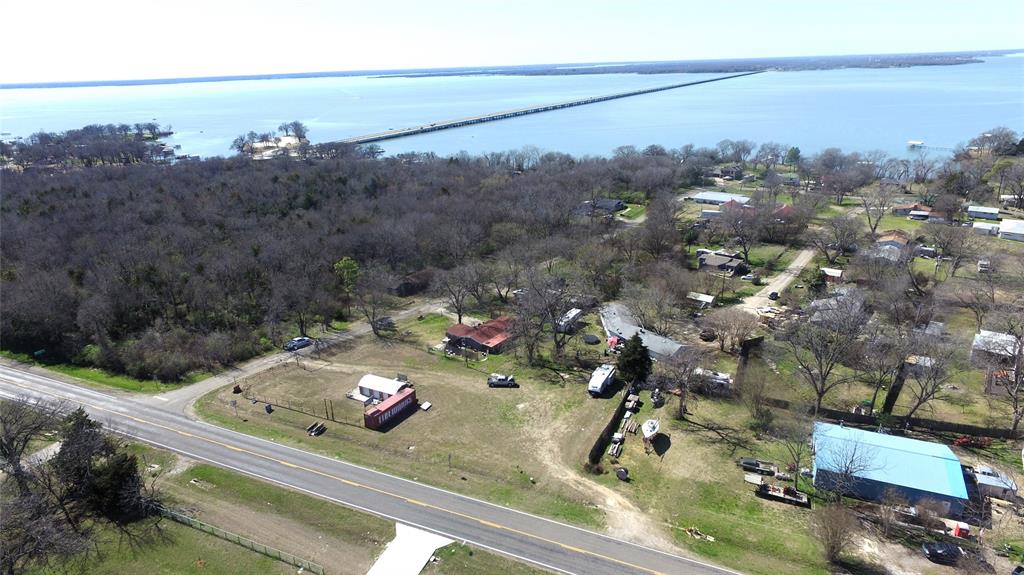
[549, 544]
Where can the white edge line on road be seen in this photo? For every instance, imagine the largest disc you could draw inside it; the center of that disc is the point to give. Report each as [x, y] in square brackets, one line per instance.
[442, 490]
[340, 502]
[468, 497]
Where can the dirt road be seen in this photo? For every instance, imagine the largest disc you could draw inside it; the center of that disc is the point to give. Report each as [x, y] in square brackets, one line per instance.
[181, 399]
[778, 283]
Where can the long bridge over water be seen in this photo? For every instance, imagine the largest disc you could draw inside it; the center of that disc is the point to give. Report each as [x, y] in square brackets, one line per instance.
[460, 122]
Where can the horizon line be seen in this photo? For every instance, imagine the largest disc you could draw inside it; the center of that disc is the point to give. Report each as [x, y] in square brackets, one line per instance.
[468, 69]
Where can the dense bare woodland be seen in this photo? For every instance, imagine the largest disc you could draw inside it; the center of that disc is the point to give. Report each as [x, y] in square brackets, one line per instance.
[157, 270]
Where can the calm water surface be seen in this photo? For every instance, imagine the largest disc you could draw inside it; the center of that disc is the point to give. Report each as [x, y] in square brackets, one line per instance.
[855, 109]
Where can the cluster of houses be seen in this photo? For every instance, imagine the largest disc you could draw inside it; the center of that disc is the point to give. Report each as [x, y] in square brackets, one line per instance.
[1008, 229]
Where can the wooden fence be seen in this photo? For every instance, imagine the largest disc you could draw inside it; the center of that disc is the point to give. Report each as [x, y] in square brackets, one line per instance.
[605, 438]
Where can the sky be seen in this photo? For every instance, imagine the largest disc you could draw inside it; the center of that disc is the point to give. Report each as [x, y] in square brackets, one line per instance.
[76, 40]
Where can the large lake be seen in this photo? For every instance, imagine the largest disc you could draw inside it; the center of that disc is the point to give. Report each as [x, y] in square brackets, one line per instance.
[854, 109]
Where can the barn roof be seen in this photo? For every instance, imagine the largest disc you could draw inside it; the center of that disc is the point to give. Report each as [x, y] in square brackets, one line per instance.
[891, 459]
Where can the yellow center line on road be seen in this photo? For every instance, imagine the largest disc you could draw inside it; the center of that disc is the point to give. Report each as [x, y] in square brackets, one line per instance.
[352, 483]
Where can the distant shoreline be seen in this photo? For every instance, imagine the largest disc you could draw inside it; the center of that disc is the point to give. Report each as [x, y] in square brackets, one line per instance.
[567, 69]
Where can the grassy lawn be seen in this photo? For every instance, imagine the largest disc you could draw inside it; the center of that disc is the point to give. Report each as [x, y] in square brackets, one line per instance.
[903, 223]
[772, 257]
[342, 540]
[458, 559]
[492, 436]
[180, 549]
[633, 211]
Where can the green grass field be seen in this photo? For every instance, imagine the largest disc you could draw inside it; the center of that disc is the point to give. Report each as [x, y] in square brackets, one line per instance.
[179, 549]
[104, 378]
[633, 211]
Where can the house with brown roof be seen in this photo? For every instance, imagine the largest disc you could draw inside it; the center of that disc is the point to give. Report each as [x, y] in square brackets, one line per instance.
[722, 263]
[894, 238]
[905, 209]
[490, 336]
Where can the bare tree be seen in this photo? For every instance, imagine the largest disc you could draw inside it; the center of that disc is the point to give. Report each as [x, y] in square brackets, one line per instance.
[928, 373]
[955, 243]
[654, 305]
[888, 509]
[679, 371]
[922, 167]
[452, 286]
[22, 422]
[835, 527]
[844, 463]
[978, 296]
[795, 436]
[753, 393]
[1011, 369]
[373, 296]
[820, 347]
[732, 326]
[1013, 177]
[659, 232]
[882, 359]
[836, 236]
[741, 226]
[506, 270]
[876, 203]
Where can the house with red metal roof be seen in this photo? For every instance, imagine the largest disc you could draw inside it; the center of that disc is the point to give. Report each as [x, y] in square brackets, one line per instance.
[489, 336]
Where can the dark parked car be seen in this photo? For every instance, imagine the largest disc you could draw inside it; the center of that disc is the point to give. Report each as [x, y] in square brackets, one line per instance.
[707, 335]
[773, 296]
[944, 553]
[298, 343]
[499, 380]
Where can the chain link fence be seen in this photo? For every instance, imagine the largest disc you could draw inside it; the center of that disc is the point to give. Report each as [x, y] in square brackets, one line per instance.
[243, 541]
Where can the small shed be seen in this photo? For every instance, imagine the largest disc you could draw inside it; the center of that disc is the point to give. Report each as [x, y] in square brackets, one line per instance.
[374, 387]
[701, 300]
[993, 347]
[832, 275]
[985, 228]
[993, 483]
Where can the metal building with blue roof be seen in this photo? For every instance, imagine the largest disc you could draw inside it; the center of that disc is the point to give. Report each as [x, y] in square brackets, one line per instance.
[868, 465]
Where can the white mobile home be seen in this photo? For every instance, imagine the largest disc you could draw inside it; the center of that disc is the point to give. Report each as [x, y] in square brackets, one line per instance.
[1012, 230]
[568, 321]
[983, 212]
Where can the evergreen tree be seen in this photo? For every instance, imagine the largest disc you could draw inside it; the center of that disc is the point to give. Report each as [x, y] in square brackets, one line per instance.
[634, 360]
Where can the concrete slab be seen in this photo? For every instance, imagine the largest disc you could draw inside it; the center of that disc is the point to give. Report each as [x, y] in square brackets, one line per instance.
[408, 552]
